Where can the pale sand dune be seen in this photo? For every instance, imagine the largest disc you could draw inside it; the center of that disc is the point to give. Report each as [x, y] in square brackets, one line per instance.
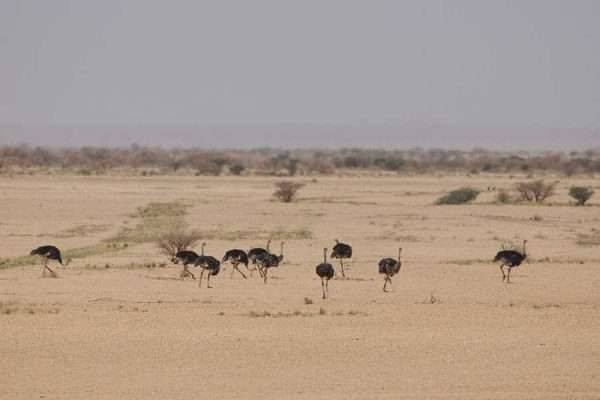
[142, 333]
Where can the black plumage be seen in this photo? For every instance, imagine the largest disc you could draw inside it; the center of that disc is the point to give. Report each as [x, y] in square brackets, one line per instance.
[325, 271]
[207, 263]
[185, 257]
[390, 267]
[47, 253]
[255, 252]
[265, 261]
[510, 259]
[236, 257]
[341, 251]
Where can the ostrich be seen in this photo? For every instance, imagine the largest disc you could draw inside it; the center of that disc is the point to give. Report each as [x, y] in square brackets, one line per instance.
[341, 251]
[269, 260]
[255, 252]
[47, 253]
[390, 267]
[511, 259]
[325, 272]
[185, 257]
[236, 257]
[207, 263]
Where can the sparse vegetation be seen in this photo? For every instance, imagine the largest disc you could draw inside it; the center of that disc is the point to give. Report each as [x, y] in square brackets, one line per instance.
[581, 193]
[172, 242]
[503, 197]
[459, 196]
[287, 190]
[589, 239]
[432, 299]
[535, 191]
[146, 161]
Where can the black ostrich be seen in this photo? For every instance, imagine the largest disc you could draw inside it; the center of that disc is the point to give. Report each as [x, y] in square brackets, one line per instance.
[254, 253]
[185, 257]
[236, 257]
[269, 260]
[341, 251]
[47, 253]
[207, 263]
[511, 259]
[325, 272]
[390, 267]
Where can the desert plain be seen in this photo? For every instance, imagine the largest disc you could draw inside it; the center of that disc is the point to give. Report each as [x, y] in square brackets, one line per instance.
[119, 323]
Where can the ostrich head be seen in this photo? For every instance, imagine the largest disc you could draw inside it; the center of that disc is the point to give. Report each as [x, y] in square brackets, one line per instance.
[399, 253]
[325, 255]
[203, 245]
[524, 250]
[268, 244]
[337, 241]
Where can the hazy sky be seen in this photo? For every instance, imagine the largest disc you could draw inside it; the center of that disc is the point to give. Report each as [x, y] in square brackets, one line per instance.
[490, 64]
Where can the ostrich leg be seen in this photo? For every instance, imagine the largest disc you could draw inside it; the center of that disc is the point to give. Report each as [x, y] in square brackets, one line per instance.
[327, 286]
[323, 287]
[342, 264]
[235, 267]
[53, 274]
[502, 270]
[208, 280]
[46, 267]
[201, 276]
[265, 275]
[508, 275]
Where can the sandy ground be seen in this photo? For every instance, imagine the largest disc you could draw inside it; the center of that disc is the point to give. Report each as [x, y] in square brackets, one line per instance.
[449, 329]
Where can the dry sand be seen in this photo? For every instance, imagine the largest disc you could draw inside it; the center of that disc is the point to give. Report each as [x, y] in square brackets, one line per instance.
[449, 329]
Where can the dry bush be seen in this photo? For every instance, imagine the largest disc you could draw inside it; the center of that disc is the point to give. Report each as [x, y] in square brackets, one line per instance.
[173, 242]
[287, 190]
[581, 193]
[459, 196]
[503, 197]
[535, 191]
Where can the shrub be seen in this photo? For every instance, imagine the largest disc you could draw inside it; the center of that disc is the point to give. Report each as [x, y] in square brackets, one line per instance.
[287, 190]
[503, 197]
[237, 169]
[172, 242]
[459, 196]
[581, 194]
[536, 191]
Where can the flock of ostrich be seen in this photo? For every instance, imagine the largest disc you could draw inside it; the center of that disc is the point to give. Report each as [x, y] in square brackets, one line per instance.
[262, 260]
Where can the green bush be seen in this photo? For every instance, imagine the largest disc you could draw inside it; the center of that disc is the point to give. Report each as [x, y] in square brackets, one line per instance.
[459, 196]
[581, 194]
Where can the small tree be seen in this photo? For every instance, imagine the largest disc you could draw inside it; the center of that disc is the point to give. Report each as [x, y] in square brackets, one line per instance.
[287, 190]
[459, 196]
[536, 191]
[581, 194]
[178, 240]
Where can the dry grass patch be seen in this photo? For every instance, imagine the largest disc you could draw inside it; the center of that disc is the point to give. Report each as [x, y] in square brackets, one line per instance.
[589, 239]
[298, 313]
[12, 307]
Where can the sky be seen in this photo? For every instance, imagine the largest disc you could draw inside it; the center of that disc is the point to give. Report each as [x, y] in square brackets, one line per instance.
[220, 73]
